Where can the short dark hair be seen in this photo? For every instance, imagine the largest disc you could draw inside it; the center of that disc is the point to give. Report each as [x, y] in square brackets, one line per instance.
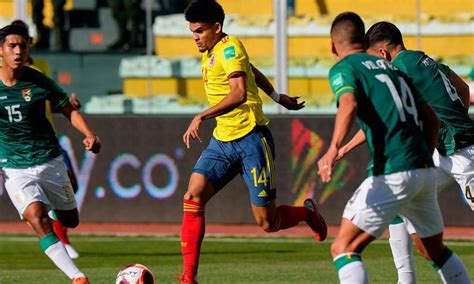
[350, 26]
[205, 11]
[383, 32]
[13, 30]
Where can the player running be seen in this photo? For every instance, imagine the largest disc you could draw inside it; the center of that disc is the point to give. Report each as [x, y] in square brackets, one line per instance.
[30, 157]
[401, 170]
[241, 143]
[449, 96]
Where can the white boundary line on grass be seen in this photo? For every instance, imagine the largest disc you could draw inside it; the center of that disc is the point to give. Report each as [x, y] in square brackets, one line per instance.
[4, 238]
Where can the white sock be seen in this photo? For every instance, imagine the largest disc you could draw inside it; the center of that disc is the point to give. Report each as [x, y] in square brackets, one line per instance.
[402, 252]
[350, 269]
[58, 254]
[454, 271]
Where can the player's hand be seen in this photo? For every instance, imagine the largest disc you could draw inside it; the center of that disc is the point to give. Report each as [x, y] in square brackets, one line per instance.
[290, 103]
[326, 163]
[341, 153]
[74, 101]
[92, 143]
[193, 131]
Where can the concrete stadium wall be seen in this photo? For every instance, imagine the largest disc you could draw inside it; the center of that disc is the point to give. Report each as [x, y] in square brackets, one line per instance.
[143, 171]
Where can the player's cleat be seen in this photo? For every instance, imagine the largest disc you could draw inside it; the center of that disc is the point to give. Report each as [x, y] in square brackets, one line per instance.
[81, 280]
[316, 221]
[71, 251]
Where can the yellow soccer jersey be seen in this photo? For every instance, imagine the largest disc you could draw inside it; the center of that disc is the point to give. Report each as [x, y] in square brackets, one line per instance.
[226, 57]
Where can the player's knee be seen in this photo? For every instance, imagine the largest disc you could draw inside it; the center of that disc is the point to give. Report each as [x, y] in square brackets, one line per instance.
[70, 222]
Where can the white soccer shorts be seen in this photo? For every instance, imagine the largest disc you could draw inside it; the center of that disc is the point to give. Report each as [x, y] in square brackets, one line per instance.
[379, 199]
[47, 183]
[459, 166]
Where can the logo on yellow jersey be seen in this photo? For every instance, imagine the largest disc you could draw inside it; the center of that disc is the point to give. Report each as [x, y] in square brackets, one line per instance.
[26, 94]
[212, 60]
[229, 52]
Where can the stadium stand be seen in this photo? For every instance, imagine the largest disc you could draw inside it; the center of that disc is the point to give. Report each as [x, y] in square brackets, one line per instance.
[174, 74]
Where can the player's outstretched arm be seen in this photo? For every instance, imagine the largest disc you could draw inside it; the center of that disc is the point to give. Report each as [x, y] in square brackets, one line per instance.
[430, 124]
[91, 141]
[345, 116]
[358, 139]
[461, 88]
[263, 83]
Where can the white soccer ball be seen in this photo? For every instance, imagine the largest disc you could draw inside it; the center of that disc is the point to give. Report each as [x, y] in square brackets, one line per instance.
[135, 274]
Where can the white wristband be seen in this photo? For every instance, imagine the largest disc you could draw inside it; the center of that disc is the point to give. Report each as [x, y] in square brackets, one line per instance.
[275, 96]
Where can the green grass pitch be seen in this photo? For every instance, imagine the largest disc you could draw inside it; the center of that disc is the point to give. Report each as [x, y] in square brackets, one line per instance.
[223, 260]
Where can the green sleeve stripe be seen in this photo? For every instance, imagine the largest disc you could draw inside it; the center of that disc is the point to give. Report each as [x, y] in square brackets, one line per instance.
[397, 220]
[48, 240]
[345, 259]
[345, 89]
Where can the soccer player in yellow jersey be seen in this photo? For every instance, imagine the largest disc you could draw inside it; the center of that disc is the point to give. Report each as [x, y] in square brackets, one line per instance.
[241, 143]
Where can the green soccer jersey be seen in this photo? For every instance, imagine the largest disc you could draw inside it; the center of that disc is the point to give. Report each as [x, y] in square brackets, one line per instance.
[386, 112]
[432, 81]
[26, 137]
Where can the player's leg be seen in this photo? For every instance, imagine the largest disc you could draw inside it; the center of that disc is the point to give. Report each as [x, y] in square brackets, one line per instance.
[32, 203]
[36, 214]
[212, 171]
[372, 207]
[446, 262]
[425, 218]
[402, 251]
[346, 252]
[60, 230]
[193, 226]
[256, 153]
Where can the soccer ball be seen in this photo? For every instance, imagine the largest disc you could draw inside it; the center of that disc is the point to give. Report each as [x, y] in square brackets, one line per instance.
[135, 274]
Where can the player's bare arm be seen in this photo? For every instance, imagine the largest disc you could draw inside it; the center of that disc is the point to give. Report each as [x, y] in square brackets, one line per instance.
[430, 124]
[345, 116]
[236, 97]
[263, 83]
[461, 87]
[356, 141]
[91, 141]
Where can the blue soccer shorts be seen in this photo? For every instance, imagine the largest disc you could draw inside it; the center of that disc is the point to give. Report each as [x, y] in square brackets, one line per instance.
[251, 156]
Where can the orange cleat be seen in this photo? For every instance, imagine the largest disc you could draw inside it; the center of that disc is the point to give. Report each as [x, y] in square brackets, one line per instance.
[81, 280]
[316, 222]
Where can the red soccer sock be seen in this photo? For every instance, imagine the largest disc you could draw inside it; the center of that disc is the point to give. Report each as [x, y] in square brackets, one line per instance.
[289, 216]
[61, 232]
[192, 234]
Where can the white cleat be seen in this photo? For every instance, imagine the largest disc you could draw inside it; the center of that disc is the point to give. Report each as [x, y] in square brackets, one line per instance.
[71, 251]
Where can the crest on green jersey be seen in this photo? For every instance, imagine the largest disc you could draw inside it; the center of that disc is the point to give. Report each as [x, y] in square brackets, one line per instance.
[26, 94]
[337, 81]
[229, 52]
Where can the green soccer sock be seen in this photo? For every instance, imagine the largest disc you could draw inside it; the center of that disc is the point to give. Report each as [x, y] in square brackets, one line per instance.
[350, 268]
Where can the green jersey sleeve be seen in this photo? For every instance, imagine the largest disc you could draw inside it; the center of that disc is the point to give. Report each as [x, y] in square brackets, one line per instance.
[342, 80]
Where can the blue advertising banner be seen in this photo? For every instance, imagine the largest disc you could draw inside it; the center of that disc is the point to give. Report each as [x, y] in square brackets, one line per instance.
[143, 171]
